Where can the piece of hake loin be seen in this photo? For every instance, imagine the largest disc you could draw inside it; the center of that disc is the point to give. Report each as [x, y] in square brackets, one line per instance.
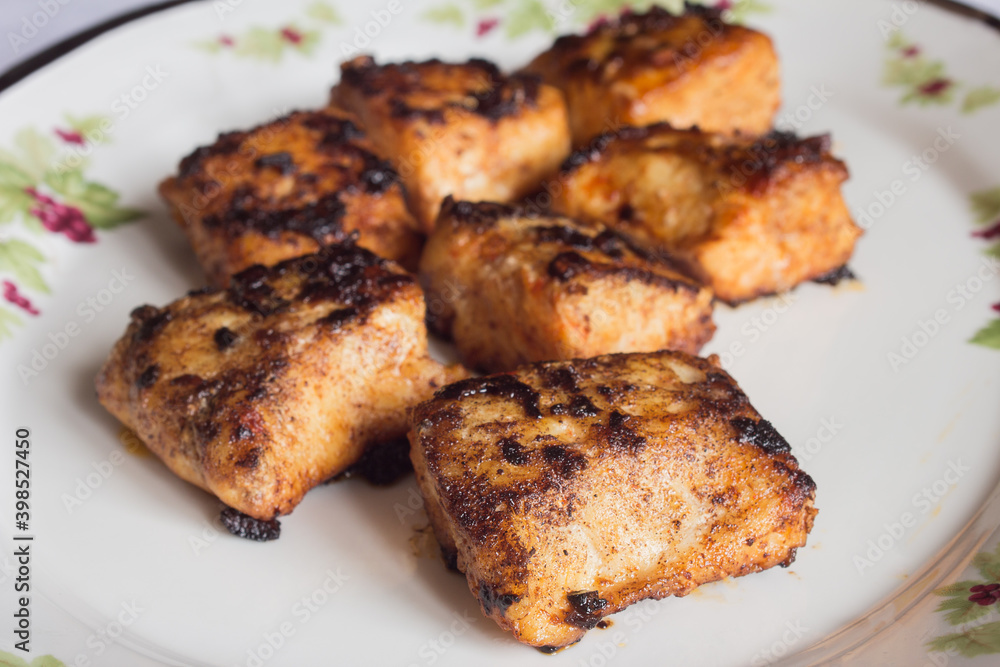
[748, 217]
[566, 491]
[287, 188]
[260, 392]
[511, 286]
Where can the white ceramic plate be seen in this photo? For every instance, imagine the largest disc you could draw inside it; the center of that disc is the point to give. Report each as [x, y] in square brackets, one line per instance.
[894, 414]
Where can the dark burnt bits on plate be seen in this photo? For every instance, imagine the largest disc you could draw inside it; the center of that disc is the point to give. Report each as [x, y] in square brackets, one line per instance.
[382, 464]
[247, 527]
[837, 276]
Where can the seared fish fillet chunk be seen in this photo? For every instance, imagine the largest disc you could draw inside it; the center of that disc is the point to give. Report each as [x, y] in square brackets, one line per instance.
[260, 392]
[511, 287]
[688, 69]
[464, 129]
[285, 189]
[567, 491]
[748, 217]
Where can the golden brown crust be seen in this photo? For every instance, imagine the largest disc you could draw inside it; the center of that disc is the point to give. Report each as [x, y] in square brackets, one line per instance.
[568, 491]
[464, 129]
[285, 189]
[691, 69]
[512, 287]
[260, 392]
[747, 216]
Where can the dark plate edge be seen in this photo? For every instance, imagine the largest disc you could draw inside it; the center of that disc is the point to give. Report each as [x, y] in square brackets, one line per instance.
[56, 51]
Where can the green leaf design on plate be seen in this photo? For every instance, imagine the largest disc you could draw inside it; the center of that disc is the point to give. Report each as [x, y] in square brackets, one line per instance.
[897, 41]
[591, 10]
[962, 610]
[261, 43]
[980, 640]
[529, 15]
[994, 250]
[37, 152]
[8, 321]
[957, 588]
[445, 14]
[988, 336]
[97, 202]
[486, 4]
[23, 259]
[324, 11]
[14, 201]
[977, 98]
[985, 205]
[911, 71]
[988, 563]
[7, 659]
[14, 177]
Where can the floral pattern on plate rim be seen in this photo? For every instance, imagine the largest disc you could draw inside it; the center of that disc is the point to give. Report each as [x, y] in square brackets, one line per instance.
[925, 81]
[986, 209]
[971, 605]
[271, 44]
[43, 186]
[517, 18]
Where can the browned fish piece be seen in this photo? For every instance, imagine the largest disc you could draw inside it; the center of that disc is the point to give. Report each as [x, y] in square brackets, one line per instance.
[260, 392]
[748, 217]
[510, 287]
[286, 188]
[464, 129]
[567, 491]
[642, 68]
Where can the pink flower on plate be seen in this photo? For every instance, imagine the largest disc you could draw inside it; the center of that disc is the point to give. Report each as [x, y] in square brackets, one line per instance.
[11, 294]
[226, 40]
[911, 52]
[70, 136]
[990, 232]
[985, 595]
[291, 35]
[486, 26]
[935, 87]
[723, 5]
[996, 306]
[61, 219]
